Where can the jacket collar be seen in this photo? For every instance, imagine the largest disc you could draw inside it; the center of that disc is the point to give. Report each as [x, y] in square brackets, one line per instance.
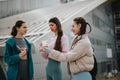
[11, 41]
[83, 36]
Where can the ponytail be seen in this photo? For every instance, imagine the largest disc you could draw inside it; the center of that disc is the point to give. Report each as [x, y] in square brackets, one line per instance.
[18, 24]
[58, 41]
[14, 31]
[89, 26]
[82, 21]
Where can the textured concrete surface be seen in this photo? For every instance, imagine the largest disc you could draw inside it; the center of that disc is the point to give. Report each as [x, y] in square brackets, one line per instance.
[113, 77]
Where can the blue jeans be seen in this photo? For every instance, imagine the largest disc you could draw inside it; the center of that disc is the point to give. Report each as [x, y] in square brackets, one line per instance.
[82, 76]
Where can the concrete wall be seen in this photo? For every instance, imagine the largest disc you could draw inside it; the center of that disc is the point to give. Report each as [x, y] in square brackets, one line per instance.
[12, 7]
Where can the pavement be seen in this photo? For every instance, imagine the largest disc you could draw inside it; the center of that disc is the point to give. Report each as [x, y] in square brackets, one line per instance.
[113, 77]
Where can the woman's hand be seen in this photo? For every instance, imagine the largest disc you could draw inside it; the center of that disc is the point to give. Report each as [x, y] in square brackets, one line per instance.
[44, 49]
[23, 54]
[41, 48]
[44, 55]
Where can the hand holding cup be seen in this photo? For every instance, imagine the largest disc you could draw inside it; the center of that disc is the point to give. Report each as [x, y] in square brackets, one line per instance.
[23, 54]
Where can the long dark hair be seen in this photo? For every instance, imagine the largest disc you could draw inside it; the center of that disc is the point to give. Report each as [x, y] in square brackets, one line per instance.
[17, 24]
[56, 21]
[80, 20]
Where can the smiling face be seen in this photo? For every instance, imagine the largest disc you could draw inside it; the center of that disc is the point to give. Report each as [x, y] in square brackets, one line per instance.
[76, 28]
[22, 30]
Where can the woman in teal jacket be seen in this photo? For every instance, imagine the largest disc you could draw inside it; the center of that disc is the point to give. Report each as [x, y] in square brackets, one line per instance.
[17, 54]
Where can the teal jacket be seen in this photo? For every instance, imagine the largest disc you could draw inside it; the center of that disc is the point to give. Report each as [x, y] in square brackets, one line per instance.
[11, 57]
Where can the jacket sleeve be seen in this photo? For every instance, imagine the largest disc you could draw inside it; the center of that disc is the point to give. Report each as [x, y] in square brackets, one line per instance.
[77, 52]
[9, 58]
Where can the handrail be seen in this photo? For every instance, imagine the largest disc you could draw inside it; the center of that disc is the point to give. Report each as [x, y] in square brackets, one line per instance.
[65, 13]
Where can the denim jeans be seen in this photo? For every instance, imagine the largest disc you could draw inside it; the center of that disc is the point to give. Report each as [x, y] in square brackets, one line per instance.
[82, 76]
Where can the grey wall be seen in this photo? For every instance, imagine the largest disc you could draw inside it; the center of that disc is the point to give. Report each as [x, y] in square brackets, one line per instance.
[102, 37]
[12, 7]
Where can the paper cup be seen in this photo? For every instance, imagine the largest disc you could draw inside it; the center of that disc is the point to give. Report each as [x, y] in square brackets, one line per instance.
[44, 43]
